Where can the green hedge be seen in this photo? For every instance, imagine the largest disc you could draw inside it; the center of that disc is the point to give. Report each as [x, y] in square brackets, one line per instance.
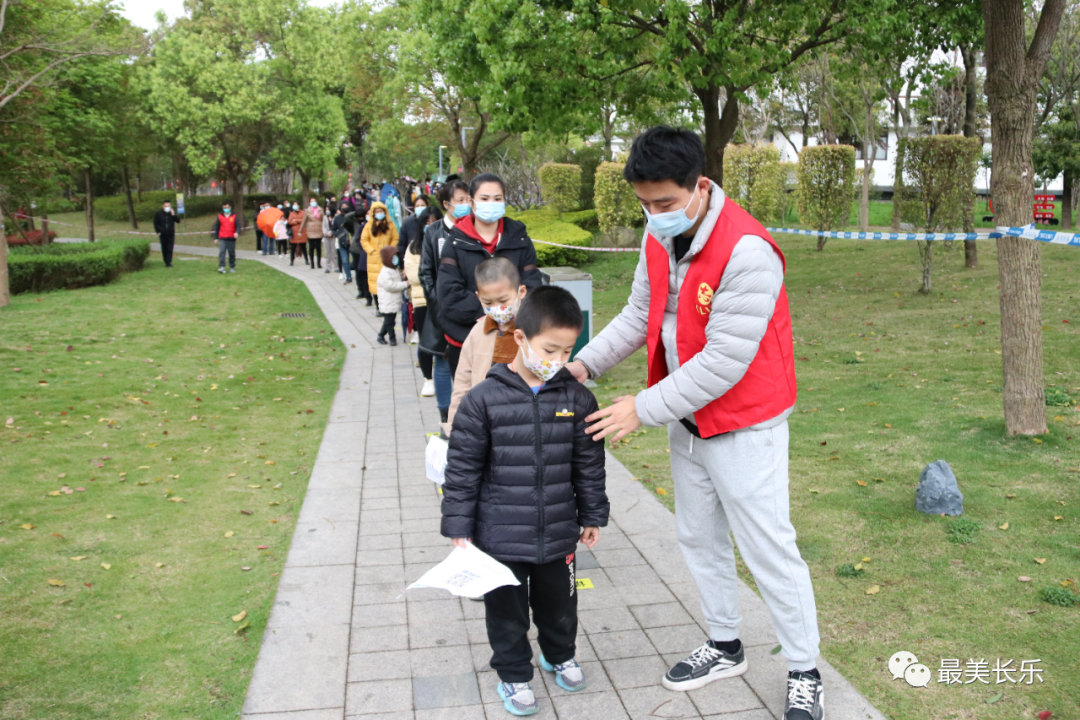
[754, 179]
[114, 207]
[544, 224]
[616, 204]
[560, 184]
[74, 265]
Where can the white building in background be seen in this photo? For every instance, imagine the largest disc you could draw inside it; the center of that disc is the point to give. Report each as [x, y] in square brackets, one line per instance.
[884, 164]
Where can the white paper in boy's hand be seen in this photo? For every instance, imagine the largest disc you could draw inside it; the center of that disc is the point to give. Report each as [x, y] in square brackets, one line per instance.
[435, 458]
[467, 572]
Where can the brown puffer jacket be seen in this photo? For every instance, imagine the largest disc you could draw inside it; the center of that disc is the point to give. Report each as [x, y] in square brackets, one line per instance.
[312, 224]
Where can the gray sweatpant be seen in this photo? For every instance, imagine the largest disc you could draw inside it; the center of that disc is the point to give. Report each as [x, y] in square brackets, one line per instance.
[738, 483]
[226, 247]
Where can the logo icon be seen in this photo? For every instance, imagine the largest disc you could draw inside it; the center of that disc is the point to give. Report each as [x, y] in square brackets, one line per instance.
[564, 413]
[905, 665]
[917, 675]
[705, 294]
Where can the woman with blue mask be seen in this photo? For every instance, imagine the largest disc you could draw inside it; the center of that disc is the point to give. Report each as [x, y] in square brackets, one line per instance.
[483, 232]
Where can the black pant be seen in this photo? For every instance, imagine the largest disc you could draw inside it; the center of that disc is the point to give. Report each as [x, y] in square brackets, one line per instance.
[549, 590]
[167, 242]
[360, 274]
[281, 246]
[388, 325]
[419, 313]
[453, 354]
[295, 249]
[314, 246]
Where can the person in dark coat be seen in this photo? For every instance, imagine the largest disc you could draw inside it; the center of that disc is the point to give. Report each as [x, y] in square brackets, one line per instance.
[165, 226]
[525, 483]
[411, 228]
[484, 233]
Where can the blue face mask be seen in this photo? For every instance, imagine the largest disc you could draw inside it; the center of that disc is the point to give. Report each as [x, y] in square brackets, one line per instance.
[673, 223]
[380, 216]
[227, 211]
[395, 260]
[490, 211]
[461, 211]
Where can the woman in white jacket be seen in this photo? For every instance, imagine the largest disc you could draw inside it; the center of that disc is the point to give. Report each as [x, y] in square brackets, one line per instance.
[391, 285]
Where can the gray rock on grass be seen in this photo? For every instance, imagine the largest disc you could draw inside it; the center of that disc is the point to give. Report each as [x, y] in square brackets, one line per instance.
[938, 491]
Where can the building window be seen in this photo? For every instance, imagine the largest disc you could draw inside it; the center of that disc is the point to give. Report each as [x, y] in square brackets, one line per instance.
[882, 146]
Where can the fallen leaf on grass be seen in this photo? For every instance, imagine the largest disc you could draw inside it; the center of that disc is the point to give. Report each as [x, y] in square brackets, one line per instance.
[996, 697]
[176, 499]
[254, 487]
[231, 475]
[159, 565]
[861, 482]
[110, 517]
[245, 568]
[1040, 560]
[261, 547]
[242, 628]
[247, 512]
[661, 491]
[1004, 527]
[28, 526]
[77, 558]
[270, 462]
[1045, 714]
[1058, 517]
[1010, 496]
[873, 590]
[866, 559]
[1024, 578]
[57, 583]
[240, 616]
[229, 534]
[105, 566]
[274, 502]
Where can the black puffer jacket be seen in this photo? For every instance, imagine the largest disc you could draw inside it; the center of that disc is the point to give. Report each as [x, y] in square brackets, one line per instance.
[459, 308]
[522, 477]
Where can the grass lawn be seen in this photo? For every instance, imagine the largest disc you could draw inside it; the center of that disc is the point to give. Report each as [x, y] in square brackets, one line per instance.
[158, 435]
[890, 380]
[76, 228]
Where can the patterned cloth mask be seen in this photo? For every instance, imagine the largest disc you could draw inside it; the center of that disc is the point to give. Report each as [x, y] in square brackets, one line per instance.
[501, 314]
[543, 369]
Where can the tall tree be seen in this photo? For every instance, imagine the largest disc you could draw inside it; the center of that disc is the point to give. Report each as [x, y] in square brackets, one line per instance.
[1013, 68]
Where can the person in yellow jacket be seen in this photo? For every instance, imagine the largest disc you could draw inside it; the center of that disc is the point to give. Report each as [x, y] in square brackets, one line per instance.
[377, 234]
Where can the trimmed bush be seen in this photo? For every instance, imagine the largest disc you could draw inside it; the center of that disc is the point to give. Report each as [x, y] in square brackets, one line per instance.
[753, 178]
[560, 186]
[938, 175]
[826, 187]
[75, 265]
[789, 175]
[616, 204]
[544, 225]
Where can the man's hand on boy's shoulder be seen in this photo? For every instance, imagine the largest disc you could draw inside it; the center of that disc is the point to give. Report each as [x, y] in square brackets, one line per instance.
[616, 420]
[589, 537]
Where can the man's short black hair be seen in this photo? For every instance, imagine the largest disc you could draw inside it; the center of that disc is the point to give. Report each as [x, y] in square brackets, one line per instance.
[546, 307]
[664, 153]
[226, 204]
[166, 201]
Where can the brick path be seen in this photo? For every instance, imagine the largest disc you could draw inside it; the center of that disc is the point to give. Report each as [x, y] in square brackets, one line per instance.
[342, 643]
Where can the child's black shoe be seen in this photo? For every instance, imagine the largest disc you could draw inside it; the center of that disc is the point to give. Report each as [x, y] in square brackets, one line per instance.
[381, 340]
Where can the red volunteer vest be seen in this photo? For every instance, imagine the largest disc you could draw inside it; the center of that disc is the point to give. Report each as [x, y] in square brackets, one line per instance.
[228, 226]
[768, 387]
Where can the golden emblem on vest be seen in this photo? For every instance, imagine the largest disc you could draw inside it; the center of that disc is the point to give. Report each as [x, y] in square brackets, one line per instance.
[704, 296]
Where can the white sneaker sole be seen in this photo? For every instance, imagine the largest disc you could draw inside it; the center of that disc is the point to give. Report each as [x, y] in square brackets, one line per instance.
[733, 671]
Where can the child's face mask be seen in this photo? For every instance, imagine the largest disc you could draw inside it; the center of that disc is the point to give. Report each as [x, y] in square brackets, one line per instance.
[394, 261]
[543, 369]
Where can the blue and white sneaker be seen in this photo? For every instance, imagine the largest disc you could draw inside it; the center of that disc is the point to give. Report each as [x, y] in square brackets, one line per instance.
[518, 698]
[568, 675]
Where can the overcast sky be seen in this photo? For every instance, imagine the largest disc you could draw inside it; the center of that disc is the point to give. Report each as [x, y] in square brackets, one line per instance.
[141, 12]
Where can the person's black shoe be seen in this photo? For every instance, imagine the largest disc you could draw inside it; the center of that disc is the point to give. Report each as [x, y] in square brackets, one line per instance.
[368, 302]
[393, 340]
[359, 295]
[704, 665]
[381, 340]
[805, 697]
[444, 414]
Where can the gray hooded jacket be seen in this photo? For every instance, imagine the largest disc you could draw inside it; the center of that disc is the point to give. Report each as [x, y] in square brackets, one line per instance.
[741, 310]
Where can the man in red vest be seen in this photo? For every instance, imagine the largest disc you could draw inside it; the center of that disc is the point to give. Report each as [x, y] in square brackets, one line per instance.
[708, 301]
[225, 232]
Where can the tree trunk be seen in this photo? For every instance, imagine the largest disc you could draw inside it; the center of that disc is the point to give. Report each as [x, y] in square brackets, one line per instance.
[719, 128]
[1066, 200]
[1012, 74]
[5, 289]
[926, 256]
[130, 203]
[89, 207]
[869, 154]
[138, 179]
[238, 204]
[971, 98]
[44, 229]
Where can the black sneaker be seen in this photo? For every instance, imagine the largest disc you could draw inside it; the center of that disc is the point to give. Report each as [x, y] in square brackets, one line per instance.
[805, 697]
[704, 665]
[381, 340]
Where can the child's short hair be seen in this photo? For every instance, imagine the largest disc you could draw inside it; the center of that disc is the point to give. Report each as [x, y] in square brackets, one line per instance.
[496, 269]
[548, 307]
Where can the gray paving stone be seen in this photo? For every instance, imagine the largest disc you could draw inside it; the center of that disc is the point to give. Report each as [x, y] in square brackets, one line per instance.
[380, 639]
[436, 611]
[388, 556]
[438, 634]
[646, 594]
[380, 528]
[323, 543]
[323, 714]
[429, 538]
[472, 712]
[681, 639]
[388, 491]
[380, 503]
[378, 594]
[760, 714]
[432, 553]
[336, 474]
[378, 542]
[661, 615]
[414, 571]
[381, 574]
[313, 596]
[477, 631]
[299, 668]
[650, 703]
[367, 616]
[379, 696]
[622, 644]
[590, 706]
[429, 512]
[391, 665]
[446, 691]
[338, 505]
[437, 661]
[389, 515]
[607, 620]
[632, 575]
[430, 499]
[616, 558]
[636, 672]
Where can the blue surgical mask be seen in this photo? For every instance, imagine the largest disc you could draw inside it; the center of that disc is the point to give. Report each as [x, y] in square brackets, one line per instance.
[490, 211]
[380, 216]
[395, 260]
[673, 223]
[227, 211]
[462, 210]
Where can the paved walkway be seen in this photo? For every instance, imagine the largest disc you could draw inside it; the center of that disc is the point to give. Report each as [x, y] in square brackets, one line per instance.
[342, 642]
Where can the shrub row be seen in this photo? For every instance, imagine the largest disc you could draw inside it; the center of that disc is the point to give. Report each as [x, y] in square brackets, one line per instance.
[114, 207]
[616, 204]
[560, 185]
[57, 266]
[544, 224]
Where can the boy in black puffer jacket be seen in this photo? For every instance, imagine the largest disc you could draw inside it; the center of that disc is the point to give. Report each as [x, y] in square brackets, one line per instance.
[525, 483]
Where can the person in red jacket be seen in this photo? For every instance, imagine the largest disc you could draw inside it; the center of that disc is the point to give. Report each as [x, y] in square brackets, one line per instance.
[225, 232]
[708, 301]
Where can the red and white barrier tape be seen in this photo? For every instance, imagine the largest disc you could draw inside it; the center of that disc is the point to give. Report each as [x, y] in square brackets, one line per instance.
[124, 232]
